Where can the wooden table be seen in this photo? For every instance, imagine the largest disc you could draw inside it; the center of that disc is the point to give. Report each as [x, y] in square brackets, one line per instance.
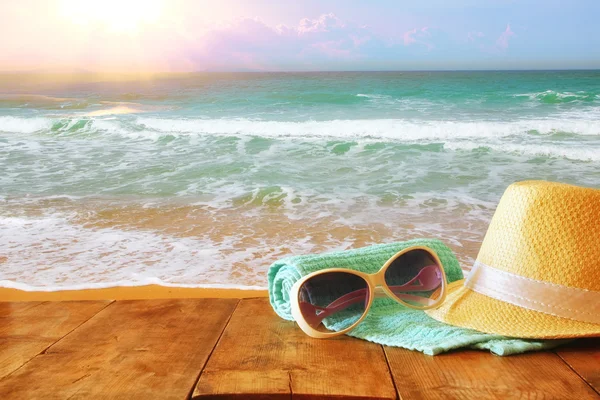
[230, 348]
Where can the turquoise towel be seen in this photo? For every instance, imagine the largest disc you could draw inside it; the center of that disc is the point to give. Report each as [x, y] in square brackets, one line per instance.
[388, 322]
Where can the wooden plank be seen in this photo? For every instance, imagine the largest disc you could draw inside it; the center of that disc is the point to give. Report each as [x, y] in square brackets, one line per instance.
[480, 375]
[584, 357]
[260, 356]
[130, 350]
[12, 308]
[28, 328]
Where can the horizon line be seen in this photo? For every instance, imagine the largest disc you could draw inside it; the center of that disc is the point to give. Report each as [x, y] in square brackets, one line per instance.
[73, 73]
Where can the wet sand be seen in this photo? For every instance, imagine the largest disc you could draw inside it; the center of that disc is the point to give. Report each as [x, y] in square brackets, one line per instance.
[128, 293]
[63, 242]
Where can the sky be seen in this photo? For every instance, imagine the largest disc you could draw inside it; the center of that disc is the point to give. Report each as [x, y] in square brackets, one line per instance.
[310, 35]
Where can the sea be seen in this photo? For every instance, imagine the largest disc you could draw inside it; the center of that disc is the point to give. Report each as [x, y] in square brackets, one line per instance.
[205, 179]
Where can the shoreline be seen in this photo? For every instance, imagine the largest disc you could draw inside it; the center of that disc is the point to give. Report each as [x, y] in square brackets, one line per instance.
[145, 292]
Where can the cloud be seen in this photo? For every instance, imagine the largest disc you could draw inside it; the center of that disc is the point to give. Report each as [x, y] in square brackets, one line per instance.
[325, 42]
[417, 35]
[408, 37]
[413, 35]
[474, 35]
[322, 42]
[503, 39]
[487, 44]
[250, 44]
[325, 23]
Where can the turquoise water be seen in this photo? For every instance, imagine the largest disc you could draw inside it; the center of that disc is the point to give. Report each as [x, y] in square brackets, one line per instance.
[205, 179]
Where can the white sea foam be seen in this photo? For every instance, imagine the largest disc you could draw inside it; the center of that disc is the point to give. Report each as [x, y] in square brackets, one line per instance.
[149, 281]
[390, 129]
[374, 96]
[24, 125]
[56, 252]
[548, 150]
[556, 94]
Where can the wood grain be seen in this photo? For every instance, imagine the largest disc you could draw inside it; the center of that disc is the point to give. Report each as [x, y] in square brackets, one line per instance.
[480, 375]
[260, 356]
[27, 329]
[130, 350]
[584, 357]
[158, 348]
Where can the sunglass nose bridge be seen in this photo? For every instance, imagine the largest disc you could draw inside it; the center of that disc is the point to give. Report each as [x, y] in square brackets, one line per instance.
[379, 291]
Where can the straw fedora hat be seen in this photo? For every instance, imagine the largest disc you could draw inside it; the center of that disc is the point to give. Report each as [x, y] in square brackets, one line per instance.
[537, 274]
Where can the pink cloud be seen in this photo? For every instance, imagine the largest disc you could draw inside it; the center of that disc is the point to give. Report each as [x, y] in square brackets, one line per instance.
[473, 35]
[416, 35]
[408, 37]
[503, 39]
[325, 23]
[325, 41]
[251, 44]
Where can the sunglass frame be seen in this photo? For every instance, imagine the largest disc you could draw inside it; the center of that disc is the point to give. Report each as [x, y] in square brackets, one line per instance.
[374, 281]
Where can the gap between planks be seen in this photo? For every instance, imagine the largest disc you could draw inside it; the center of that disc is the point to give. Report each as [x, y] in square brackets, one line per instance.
[191, 391]
[134, 349]
[29, 329]
[262, 356]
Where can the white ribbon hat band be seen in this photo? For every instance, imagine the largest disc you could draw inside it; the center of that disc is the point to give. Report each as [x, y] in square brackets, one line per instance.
[562, 301]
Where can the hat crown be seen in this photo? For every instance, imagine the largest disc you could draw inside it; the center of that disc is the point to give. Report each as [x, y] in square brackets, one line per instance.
[548, 232]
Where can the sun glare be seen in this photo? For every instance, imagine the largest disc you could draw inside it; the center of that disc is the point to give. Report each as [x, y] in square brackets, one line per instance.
[119, 16]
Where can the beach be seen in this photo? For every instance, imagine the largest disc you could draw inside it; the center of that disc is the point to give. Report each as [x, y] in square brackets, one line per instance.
[192, 185]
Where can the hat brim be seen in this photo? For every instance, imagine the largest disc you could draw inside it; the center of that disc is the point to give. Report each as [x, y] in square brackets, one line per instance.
[468, 309]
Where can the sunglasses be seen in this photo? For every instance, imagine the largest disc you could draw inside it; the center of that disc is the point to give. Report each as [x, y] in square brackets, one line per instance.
[333, 301]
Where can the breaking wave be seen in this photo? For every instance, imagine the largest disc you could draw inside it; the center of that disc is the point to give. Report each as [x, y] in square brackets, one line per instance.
[387, 129]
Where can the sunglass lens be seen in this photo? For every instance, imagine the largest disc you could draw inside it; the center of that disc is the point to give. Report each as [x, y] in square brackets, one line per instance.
[416, 279]
[333, 301]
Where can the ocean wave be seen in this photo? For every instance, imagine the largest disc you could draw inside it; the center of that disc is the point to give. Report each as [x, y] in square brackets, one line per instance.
[24, 125]
[392, 129]
[555, 97]
[98, 243]
[314, 98]
[543, 150]
[60, 126]
[387, 129]
[94, 257]
[374, 96]
[569, 138]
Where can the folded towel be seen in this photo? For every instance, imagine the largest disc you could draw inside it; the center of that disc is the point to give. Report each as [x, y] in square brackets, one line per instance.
[388, 322]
